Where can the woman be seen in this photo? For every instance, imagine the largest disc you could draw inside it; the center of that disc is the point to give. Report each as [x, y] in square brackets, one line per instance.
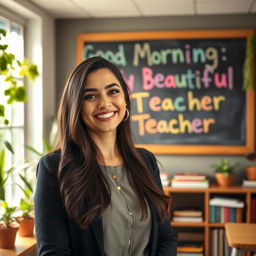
[96, 193]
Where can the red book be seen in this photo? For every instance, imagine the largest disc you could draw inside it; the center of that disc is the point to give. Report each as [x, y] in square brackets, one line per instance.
[226, 214]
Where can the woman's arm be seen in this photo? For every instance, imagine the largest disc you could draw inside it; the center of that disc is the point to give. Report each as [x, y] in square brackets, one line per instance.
[50, 217]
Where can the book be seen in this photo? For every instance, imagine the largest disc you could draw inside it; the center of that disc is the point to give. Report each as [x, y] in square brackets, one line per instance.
[187, 219]
[190, 254]
[215, 242]
[189, 246]
[249, 183]
[187, 211]
[232, 214]
[164, 179]
[213, 213]
[190, 236]
[189, 184]
[221, 241]
[189, 176]
[226, 202]
[239, 214]
[226, 214]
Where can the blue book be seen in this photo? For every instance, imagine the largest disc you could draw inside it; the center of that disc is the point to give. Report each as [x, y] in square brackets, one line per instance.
[212, 213]
[232, 214]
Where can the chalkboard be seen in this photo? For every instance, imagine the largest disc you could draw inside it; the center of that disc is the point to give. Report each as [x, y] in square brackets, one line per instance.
[187, 95]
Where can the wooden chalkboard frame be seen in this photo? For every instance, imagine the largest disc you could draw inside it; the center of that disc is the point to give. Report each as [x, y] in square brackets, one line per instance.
[249, 146]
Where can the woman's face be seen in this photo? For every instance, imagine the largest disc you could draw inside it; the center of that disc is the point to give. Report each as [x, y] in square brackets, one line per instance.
[104, 103]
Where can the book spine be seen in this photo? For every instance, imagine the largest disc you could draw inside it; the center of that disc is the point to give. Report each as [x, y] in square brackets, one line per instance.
[221, 214]
[239, 214]
[215, 242]
[232, 212]
[221, 241]
[226, 214]
[212, 213]
[217, 213]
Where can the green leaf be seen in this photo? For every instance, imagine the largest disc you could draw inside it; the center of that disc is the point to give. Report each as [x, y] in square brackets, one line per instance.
[32, 72]
[9, 146]
[46, 145]
[2, 32]
[2, 110]
[34, 150]
[26, 182]
[3, 63]
[20, 94]
[3, 47]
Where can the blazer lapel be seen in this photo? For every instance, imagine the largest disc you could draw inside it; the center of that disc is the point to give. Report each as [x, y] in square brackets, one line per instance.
[97, 228]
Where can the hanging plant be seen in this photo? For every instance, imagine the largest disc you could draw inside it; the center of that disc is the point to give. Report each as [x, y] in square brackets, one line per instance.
[11, 69]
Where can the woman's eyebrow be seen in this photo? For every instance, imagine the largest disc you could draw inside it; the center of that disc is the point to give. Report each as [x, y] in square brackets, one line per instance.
[105, 87]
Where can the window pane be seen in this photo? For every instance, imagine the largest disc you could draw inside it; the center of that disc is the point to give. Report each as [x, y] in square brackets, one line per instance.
[3, 24]
[18, 114]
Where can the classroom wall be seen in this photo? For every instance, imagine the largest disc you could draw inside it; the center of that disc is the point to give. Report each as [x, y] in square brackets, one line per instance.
[66, 31]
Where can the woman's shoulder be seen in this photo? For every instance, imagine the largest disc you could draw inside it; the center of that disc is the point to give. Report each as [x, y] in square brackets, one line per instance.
[50, 160]
[146, 153]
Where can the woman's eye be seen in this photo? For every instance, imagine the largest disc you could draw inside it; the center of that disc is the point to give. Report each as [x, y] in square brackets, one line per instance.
[89, 97]
[114, 91]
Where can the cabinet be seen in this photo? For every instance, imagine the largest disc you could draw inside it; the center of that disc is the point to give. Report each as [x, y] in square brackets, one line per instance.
[180, 197]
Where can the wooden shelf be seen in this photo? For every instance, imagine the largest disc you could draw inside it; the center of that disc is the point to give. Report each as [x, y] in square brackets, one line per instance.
[206, 194]
[23, 246]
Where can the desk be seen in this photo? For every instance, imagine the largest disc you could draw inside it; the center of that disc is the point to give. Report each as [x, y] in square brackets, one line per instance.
[241, 236]
[24, 246]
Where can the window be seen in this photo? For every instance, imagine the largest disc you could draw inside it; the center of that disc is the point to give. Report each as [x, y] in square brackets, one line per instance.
[14, 131]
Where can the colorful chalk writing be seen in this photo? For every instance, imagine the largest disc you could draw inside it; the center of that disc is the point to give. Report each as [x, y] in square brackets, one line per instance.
[183, 91]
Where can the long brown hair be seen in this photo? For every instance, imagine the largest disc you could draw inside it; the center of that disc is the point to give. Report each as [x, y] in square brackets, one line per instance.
[83, 187]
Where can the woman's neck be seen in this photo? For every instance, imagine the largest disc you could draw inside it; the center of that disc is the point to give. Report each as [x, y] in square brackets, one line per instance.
[108, 147]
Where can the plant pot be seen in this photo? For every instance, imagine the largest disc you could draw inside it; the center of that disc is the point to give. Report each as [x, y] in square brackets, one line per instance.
[26, 227]
[8, 237]
[250, 172]
[224, 180]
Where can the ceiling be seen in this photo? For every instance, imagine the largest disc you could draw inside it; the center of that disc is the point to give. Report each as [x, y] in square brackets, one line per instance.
[143, 8]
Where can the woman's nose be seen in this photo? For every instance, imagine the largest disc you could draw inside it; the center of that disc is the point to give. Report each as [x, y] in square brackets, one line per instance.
[104, 102]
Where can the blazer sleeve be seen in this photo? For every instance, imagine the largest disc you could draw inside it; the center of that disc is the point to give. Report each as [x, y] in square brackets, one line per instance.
[50, 216]
[166, 243]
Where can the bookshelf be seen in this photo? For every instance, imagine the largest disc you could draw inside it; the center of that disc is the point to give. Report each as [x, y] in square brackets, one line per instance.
[204, 195]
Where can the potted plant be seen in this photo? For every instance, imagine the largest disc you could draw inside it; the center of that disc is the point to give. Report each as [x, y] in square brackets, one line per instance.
[26, 220]
[224, 172]
[8, 226]
[250, 170]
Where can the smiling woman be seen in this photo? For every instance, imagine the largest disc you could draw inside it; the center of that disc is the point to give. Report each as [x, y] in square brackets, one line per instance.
[102, 195]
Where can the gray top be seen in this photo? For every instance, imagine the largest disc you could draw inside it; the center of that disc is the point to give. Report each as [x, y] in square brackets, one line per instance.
[124, 233]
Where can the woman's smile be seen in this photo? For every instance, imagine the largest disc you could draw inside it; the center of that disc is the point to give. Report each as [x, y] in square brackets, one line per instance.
[105, 116]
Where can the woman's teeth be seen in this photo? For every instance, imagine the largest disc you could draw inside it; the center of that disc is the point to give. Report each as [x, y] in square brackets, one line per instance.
[105, 115]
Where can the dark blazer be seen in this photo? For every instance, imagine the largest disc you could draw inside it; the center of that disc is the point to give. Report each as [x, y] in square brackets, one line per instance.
[58, 235]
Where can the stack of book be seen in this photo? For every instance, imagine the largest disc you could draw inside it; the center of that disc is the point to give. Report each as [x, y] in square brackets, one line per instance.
[189, 248]
[164, 179]
[226, 210]
[249, 183]
[218, 243]
[189, 180]
[253, 210]
[187, 215]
